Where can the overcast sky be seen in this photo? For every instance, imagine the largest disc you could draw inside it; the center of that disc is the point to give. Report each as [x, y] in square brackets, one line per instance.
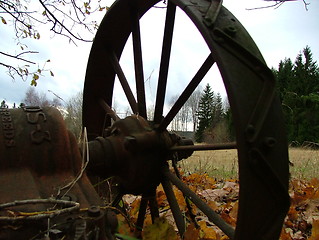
[279, 33]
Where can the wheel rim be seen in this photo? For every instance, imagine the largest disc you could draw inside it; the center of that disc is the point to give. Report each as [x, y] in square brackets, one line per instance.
[260, 138]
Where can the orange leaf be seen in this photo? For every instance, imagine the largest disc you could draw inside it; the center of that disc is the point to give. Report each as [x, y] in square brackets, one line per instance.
[213, 205]
[293, 214]
[224, 238]
[285, 235]
[207, 232]
[147, 220]
[191, 233]
[134, 208]
[160, 198]
[315, 182]
[315, 230]
[123, 226]
[234, 211]
[228, 218]
[180, 198]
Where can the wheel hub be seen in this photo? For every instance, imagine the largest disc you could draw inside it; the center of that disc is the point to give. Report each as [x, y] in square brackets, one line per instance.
[134, 152]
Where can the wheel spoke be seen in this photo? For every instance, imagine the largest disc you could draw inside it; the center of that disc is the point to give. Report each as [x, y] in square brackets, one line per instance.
[205, 147]
[117, 200]
[138, 63]
[141, 215]
[188, 204]
[126, 87]
[108, 110]
[208, 63]
[211, 214]
[166, 52]
[177, 214]
[153, 206]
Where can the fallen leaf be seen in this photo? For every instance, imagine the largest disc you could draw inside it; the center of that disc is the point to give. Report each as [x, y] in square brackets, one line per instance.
[161, 229]
[123, 226]
[298, 236]
[213, 194]
[207, 232]
[285, 234]
[292, 213]
[213, 205]
[191, 233]
[234, 211]
[228, 218]
[134, 208]
[314, 230]
[161, 198]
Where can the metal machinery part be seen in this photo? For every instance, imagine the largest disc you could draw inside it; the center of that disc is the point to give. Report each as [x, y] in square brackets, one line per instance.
[43, 189]
[136, 149]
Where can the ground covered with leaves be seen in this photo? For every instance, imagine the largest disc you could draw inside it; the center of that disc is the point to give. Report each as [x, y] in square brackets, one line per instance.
[301, 223]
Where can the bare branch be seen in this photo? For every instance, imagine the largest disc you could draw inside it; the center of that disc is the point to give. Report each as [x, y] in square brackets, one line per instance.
[15, 17]
[56, 95]
[56, 21]
[278, 3]
[12, 70]
[18, 56]
[306, 4]
[68, 18]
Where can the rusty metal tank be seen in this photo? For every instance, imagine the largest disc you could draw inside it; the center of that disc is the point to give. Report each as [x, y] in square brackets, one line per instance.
[44, 189]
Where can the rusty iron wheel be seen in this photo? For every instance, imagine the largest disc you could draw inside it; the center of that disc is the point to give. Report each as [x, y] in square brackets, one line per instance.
[136, 149]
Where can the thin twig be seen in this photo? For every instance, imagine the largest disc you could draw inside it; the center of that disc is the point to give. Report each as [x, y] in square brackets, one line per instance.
[277, 4]
[71, 206]
[20, 54]
[15, 17]
[10, 69]
[85, 161]
[56, 21]
[56, 95]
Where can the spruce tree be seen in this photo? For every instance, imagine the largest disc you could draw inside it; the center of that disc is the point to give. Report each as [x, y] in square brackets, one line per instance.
[218, 111]
[298, 85]
[205, 112]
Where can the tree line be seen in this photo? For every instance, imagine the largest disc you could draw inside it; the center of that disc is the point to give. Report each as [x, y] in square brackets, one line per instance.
[203, 113]
[298, 89]
[70, 109]
[209, 117]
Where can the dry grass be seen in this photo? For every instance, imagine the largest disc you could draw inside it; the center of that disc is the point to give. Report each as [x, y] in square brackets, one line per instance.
[222, 164]
[305, 163]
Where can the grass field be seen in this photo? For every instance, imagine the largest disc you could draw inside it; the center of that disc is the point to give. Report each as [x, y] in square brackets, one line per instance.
[222, 164]
[305, 163]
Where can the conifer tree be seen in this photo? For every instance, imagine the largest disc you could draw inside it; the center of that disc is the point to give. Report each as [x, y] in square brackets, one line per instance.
[298, 86]
[205, 112]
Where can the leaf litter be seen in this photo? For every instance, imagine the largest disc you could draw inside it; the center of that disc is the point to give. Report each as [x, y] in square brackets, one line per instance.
[301, 222]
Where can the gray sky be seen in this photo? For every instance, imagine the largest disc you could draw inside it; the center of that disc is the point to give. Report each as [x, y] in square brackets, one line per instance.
[279, 33]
